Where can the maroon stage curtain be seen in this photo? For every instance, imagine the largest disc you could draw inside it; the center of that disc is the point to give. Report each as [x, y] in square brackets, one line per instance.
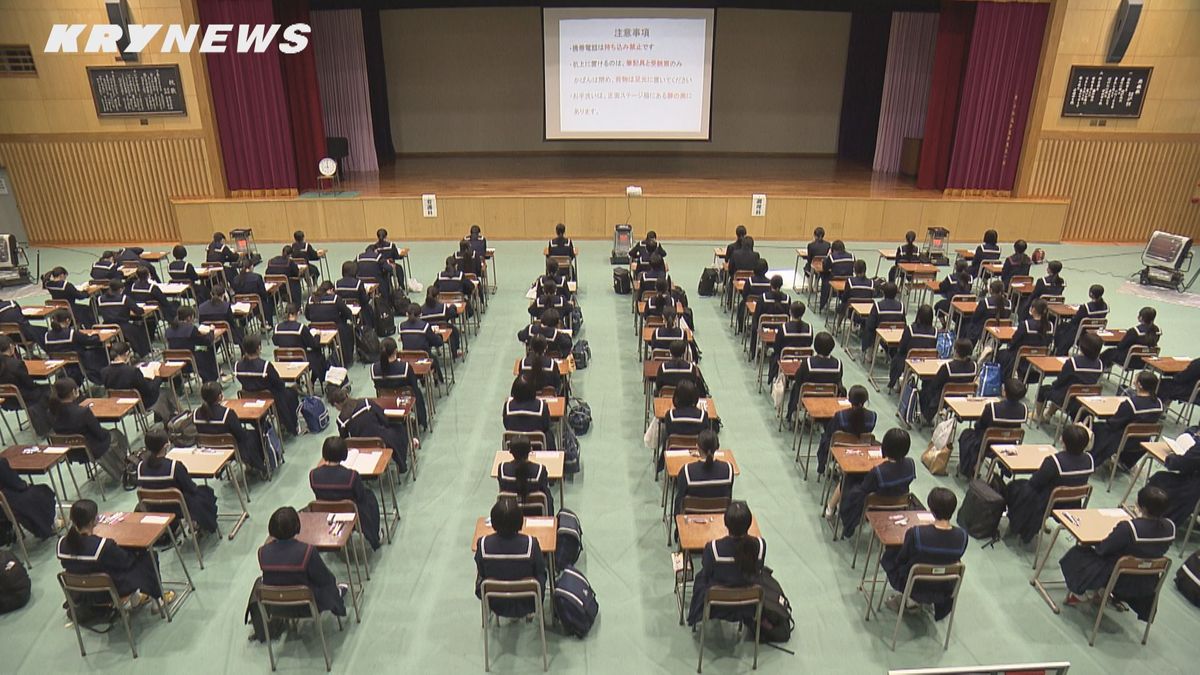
[303, 97]
[949, 63]
[1005, 47]
[862, 91]
[250, 103]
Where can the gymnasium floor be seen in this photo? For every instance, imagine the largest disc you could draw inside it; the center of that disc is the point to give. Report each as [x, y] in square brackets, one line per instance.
[420, 613]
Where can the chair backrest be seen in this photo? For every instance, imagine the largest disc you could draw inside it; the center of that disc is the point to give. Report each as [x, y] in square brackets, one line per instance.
[682, 441]
[1147, 430]
[10, 391]
[1020, 279]
[923, 354]
[1077, 390]
[290, 354]
[796, 353]
[655, 321]
[1140, 352]
[537, 439]
[534, 503]
[693, 504]
[1026, 351]
[660, 354]
[1129, 565]
[148, 498]
[818, 389]
[926, 573]
[185, 355]
[284, 596]
[957, 389]
[966, 297]
[1088, 324]
[216, 441]
[259, 395]
[332, 506]
[1000, 435]
[98, 582]
[1069, 494]
[513, 589]
[411, 355]
[772, 320]
[390, 392]
[74, 443]
[112, 327]
[847, 438]
[730, 596]
[365, 442]
[129, 393]
[878, 502]
[666, 392]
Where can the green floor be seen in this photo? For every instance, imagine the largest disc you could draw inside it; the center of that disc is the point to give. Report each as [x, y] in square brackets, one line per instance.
[421, 614]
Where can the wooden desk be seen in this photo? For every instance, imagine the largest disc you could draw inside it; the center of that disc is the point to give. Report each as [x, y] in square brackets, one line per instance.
[1088, 527]
[964, 253]
[207, 464]
[373, 464]
[1045, 365]
[330, 533]
[695, 531]
[1099, 406]
[562, 365]
[925, 368]
[823, 408]
[964, 307]
[40, 312]
[969, 408]
[139, 531]
[41, 369]
[664, 404]
[294, 372]
[888, 338]
[993, 267]
[40, 460]
[1156, 451]
[106, 335]
[916, 269]
[110, 409]
[1024, 458]
[1170, 365]
[1002, 334]
[888, 528]
[1110, 336]
[1061, 311]
[250, 409]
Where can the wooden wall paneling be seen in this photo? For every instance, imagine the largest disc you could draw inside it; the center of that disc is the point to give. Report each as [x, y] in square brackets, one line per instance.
[707, 218]
[500, 218]
[314, 217]
[1012, 221]
[787, 218]
[943, 213]
[585, 218]
[899, 216]
[667, 216]
[228, 215]
[622, 210]
[541, 215]
[417, 226]
[829, 214]
[974, 218]
[195, 221]
[864, 219]
[737, 212]
[377, 213]
[270, 223]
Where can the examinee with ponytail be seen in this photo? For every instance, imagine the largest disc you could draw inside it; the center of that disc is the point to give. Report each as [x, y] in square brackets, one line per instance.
[80, 551]
[1034, 331]
[331, 481]
[64, 337]
[523, 477]
[733, 560]
[183, 333]
[541, 370]
[67, 417]
[853, 420]
[213, 418]
[392, 372]
[706, 476]
[159, 472]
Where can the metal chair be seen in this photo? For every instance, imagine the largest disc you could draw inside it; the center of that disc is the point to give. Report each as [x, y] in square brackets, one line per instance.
[724, 596]
[78, 452]
[927, 574]
[283, 287]
[996, 436]
[228, 441]
[877, 502]
[1074, 391]
[291, 354]
[533, 504]
[1135, 567]
[537, 439]
[140, 414]
[1024, 353]
[519, 589]
[10, 393]
[291, 598]
[1136, 353]
[98, 584]
[6, 513]
[1061, 497]
[1141, 431]
[173, 499]
[1085, 325]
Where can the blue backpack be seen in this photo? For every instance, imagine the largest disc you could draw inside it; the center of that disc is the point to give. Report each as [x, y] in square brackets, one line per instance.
[568, 544]
[909, 402]
[316, 417]
[570, 446]
[945, 344]
[989, 379]
[274, 449]
[575, 603]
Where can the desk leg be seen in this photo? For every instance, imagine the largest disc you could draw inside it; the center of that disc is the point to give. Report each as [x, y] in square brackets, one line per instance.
[1037, 582]
[169, 611]
[1133, 478]
[354, 592]
[61, 496]
[862, 586]
[242, 499]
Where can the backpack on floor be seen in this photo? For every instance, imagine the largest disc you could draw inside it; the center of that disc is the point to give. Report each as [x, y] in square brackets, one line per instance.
[708, 283]
[14, 583]
[622, 281]
[385, 319]
[568, 544]
[575, 603]
[114, 461]
[274, 449]
[777, 623]
[945, 344]
[582, 353]
[576, 320]
[1187, 578]
[579, 416]
[129, 477]
[989, 379]
[909, 405]
[981, 510]
[316, 417]
[570, 447]
[181, 430]
[366, 344]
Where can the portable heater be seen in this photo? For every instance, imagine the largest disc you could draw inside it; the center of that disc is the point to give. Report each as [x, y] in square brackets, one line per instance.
[1166, 260]
[622, 243]
[243, 243]
[936, 246]
[13, 272]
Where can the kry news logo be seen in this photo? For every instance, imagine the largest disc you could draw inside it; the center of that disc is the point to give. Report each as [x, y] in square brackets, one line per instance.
[218, 38]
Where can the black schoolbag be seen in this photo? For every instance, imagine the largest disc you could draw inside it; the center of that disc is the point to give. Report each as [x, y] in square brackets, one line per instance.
[575, 603]
[1187, 578]
[582, 353]
[366, 345]
[181, 430]
[579, 416]
[568, 543]
[622, 281]
[777, 623]
[708, 283]
[981, 510]
[570, 447]
[385, 318]
[129, 475]
[14, 583]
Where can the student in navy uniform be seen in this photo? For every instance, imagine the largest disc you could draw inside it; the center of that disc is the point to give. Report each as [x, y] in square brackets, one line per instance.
[452, 280]
[61, 289]
[435, 311]
[1181, 481]
[661, 298]
[477, 241]
[183, 272]
[1144, 334]
[324, 306]
[958, 369]
[1051, 284]
[644, 249]
[183, 333]
[892, 478]
[287, 561]
[1179, 387]
[988, 251]
[33, 505]
[992, 306]
[362, 418]
[10, 312]
[774, 302]
[351, 289]
[391, 372]
[303, 249]
[144, 290]
[509, 555]
[218, 308]
[739, 233]
[256, 374]
[859, 288]
[908, 252]
[956, 283]
[526, 413]
[290, 333]
[470, 263]
[13, 371]
[523, 477]
[548, 297]
[117, 307]
[920, 334]
[1007, 413]
[80, 551]
[541, 370]
[284, 265]
[662, 336]
[817, 248]
[677, 369]
[1082, 368]
[1142, 407]
[940, 543]
[249, 282]
[883, 311]
[855, 420]
[133, 254]
[792, 333]
[1065, 331]
[686, 417]
[821, 367]
[120, 374]
[734, 560]
[330, 481]
[558, 341]
[63, 337]
[67, 417]
[159, 472]
[219, 252]
[1087, 569]
[1017, 264]
[416, 334]
[1031, 332]
[106, 268]
[389, 255]
[560, 245]
[707, 478]
[1027, 498]
[213, 418]
[838, 264]
[372, 265]
[744, 258]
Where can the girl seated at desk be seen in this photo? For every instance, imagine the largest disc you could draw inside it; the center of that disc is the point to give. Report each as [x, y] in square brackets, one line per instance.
[1027, 498]
[938, 543]
[892, 478]
[80, 551]
[159, 472]
[734, 560]
[523, 477]
[331, 481]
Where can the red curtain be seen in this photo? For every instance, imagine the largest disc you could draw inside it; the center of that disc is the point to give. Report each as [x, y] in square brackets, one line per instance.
[1005, 47]
[949, 63]
[303, 97]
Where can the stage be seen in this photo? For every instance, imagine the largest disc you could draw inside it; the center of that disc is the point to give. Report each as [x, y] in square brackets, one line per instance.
[684, 196]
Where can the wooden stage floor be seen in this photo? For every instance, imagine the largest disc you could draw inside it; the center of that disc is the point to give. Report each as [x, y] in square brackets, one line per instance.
[607, 175]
